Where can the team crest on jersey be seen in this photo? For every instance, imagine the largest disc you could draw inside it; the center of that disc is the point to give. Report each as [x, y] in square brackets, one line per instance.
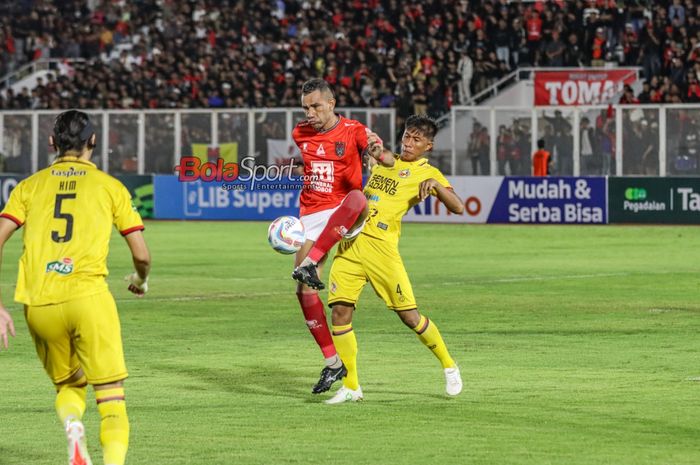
[63, 266]
[340, 149]
[404, 173]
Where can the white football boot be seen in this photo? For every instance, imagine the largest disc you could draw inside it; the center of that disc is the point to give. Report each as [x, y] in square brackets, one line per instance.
[77, 445]
[453, 381]
[345, 395]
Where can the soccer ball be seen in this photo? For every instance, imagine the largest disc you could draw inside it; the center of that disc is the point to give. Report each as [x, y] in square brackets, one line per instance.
[286, 234]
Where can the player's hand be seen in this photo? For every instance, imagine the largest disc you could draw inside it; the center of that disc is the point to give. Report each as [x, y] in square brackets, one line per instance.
[6, 326]
[375, 145]
[137, 285]
[427, 188]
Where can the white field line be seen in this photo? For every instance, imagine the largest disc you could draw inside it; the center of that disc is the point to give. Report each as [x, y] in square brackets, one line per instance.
[243, 295]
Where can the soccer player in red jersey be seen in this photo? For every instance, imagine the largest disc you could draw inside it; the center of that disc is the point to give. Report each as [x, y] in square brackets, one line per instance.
[332, 205]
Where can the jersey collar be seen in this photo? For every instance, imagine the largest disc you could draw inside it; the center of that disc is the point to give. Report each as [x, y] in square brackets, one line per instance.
[332, 127]
[71, 159]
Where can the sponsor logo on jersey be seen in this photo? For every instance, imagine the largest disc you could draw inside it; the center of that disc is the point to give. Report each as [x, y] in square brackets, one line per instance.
[322, 172]
[69, 173]
[379, 182]
[63, 266]
[382, 226]
[340, 149]
[320, 151]
[404, 173]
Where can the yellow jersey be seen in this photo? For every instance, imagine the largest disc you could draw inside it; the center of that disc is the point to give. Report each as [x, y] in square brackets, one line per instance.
[391, 192]
[67, 211]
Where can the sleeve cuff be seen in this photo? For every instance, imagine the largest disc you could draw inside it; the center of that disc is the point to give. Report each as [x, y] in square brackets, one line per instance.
[12, 218]
[134, 229]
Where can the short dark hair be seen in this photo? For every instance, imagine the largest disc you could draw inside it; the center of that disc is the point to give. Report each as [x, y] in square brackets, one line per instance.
[72, 131]
[540, 143]
[423, 124]
[315, 84]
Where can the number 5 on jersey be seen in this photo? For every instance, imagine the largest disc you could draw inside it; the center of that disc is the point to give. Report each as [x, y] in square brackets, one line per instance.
[58, 214]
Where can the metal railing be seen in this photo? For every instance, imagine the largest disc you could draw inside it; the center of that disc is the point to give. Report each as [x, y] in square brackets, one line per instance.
[153, 141]
[651, 140]
[33, 67]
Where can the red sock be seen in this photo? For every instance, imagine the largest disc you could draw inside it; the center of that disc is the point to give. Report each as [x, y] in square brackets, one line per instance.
[315, 316]
[338, 224]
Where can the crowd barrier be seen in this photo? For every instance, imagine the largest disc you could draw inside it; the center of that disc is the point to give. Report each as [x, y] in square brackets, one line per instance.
[487, 199]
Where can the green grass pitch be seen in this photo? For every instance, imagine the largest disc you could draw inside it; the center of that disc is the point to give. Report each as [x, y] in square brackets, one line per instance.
[578, 345]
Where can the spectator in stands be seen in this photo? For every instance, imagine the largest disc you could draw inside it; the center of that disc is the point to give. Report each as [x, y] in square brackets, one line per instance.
[587, 144]
[192, 49]
[628, 97]
[573, 55]
[505, 144]
[554, 51]
[466, 71]
[645, 95]
[474, 147]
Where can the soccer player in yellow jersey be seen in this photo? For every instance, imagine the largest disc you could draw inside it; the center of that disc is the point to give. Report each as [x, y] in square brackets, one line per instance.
[374, 255]
[67, 211]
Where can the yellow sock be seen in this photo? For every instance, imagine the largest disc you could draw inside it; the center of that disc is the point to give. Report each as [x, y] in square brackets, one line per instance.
[70, 400]
[114, 428]
[346, 345]
[429, 335]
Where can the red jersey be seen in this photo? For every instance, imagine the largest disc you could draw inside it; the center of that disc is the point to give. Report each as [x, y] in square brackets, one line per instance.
[332, 163]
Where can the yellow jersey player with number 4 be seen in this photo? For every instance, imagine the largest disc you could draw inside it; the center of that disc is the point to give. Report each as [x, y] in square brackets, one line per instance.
[374, 255]
[67, 212]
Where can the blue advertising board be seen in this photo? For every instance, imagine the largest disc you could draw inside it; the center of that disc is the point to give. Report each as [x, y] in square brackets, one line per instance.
[199, 200]
[7, 183]
[555, 200]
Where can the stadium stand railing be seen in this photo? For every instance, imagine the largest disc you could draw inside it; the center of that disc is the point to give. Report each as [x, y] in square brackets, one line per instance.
[653, 140]
[153, 141]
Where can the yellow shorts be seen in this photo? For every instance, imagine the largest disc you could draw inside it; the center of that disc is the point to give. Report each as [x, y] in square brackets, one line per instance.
[82, 333]
[364, 260]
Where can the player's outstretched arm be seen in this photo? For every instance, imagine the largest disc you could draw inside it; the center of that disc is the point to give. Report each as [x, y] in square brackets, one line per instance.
[377, 151]
[138, 280]
[7, 326]
[446, 195]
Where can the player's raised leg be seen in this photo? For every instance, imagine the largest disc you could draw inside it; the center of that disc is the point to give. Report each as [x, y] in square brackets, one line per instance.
[346, 344]
[315, 316]
[429, 335]
[349, 216]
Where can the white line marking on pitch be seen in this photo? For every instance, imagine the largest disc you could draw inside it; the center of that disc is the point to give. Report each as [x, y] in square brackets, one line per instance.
[535, 278]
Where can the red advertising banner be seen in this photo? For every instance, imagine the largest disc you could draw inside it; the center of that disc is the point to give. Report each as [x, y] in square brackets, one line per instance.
[581, 86]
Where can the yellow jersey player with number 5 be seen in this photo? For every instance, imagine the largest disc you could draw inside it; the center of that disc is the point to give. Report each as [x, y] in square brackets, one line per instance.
[67, 212]
[374, 255]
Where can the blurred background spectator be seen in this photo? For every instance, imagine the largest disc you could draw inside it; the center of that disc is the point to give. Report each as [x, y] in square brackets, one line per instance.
[414, 56]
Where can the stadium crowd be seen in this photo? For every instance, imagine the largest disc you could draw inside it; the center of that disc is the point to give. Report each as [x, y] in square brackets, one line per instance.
[419, 57]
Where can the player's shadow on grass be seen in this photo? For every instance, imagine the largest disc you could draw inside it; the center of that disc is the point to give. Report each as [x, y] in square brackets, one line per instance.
[271, 381]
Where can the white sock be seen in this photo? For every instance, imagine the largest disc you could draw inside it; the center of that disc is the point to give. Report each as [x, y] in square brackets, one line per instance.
[307, 261]
[334, 361]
